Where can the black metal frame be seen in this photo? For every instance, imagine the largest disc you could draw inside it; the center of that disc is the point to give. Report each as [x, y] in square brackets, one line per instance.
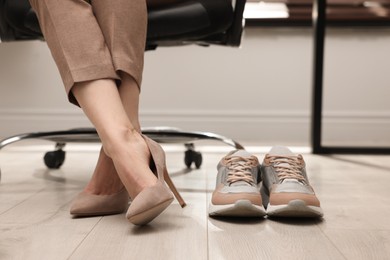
[319, 25]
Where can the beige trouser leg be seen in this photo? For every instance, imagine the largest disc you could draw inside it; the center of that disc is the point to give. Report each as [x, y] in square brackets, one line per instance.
[95, 39]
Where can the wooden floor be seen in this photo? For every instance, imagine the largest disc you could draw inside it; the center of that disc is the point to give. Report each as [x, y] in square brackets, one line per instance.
[35, 222]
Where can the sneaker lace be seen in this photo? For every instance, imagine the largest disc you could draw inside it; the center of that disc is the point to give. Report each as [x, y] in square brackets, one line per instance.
[240, 169]
[288, 167]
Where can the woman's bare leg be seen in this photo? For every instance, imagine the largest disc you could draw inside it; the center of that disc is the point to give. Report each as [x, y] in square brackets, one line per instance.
[105, 179]
[111, 38]
[101, 102]
[129, 93]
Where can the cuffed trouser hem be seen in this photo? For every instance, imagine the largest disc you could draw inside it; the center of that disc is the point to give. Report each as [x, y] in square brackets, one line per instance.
[100, 72]
[91, 40]
[131, 68]
[86, 74]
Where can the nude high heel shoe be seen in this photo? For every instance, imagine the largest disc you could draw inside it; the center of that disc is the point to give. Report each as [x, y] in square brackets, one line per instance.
[151, 201]
[87, 205]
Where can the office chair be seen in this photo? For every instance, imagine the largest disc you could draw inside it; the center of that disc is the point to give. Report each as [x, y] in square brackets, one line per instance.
[174, 23]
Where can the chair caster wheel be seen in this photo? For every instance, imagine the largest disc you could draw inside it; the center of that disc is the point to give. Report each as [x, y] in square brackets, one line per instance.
[54, 159]
[198, 160]
[193, 157]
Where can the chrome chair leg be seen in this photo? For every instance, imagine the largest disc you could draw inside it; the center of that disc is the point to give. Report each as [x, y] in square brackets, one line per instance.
[55, 159]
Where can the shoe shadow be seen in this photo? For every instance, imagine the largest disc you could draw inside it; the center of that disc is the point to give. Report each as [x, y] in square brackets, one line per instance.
[50, 175]
[171, 220]
[297, 221]
[168, 224]
[216, 220]
[180, 172]
[152, 228]
[235, 227]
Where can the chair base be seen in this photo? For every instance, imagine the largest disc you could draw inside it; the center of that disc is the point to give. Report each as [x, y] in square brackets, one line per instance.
[54, 159]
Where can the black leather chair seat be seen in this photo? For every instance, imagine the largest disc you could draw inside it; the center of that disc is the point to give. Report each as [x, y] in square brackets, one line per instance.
[185, 20]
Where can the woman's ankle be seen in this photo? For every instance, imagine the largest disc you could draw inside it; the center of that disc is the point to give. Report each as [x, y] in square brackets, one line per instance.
[105, 179]
[131, 157]
[119, 141]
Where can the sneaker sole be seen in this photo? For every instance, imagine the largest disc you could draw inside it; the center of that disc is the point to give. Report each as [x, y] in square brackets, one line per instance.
[295, 208]
[241, 208]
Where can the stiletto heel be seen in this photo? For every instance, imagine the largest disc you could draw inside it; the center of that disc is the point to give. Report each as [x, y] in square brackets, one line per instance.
[173, 189]
[153, 200]
[87, 205]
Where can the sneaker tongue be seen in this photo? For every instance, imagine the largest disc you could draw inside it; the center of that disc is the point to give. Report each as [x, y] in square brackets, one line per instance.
[242, 153]
[281, 151]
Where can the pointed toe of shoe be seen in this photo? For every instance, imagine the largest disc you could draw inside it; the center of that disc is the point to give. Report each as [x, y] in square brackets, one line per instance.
[148, 204]
[86, 204]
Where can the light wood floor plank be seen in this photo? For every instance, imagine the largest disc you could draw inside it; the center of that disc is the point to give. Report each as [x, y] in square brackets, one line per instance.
[50, 238]
[361, 244]
[262, 238]
[176, 234]
[35, 221]
[267, 239]
[41, 227]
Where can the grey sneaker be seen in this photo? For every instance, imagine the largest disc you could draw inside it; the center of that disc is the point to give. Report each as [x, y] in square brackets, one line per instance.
[236, 192]
[286, 191]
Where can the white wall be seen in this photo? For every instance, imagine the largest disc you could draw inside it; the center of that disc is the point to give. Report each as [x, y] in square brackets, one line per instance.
[260, 92]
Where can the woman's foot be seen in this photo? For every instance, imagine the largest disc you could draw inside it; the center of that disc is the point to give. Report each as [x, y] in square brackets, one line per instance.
[105, 179]
[104, 194]
[108, 192]
[153, 199]
[140, 163]
[131, 157]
